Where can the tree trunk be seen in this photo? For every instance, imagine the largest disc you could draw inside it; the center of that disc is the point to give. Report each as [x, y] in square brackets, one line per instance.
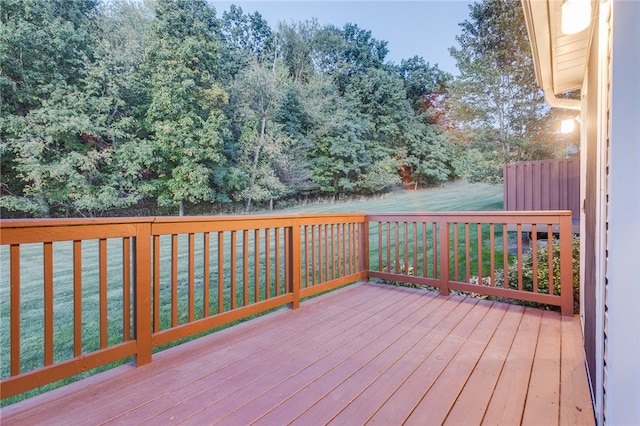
[256, 158]
[181, 208]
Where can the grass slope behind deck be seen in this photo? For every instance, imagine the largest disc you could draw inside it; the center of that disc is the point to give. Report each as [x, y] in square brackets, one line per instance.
[455, 196]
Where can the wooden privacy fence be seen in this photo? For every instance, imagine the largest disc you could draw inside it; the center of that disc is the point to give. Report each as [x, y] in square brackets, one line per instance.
[79, 294]
[543, 185]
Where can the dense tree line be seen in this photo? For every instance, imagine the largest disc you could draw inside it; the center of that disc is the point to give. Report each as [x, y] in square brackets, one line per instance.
[109, 105]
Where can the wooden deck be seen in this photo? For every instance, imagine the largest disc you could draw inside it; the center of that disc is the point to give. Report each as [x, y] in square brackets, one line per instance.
[367, 353]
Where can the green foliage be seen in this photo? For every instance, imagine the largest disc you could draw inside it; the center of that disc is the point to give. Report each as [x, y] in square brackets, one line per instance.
[109, 105]
[542, 271]
[496, 95]
[185, 111]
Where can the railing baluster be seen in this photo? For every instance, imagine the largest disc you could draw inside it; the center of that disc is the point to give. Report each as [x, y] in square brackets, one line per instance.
[256, 266]
[456, 258]
[277, 247]
[534, 254]
[104, 331]
[434, 247]
[444, 258]
[267, 263]
[425, 251]
[550, 258]
[306, 256]
[77, 298]
[467, 254]
[492, 255]
[126, 289]
[346, 247]
[380, 231]
[479, 239]
[174, 280]
[313, 254]
[48, 303]
[15, 309]
[415, 248]
[327, 259]
[333, 254]
[397, 246]
[519, 236]
[220, 272]
[206, 270]
[505, 255]
[320, 255]
[233, 270]
[191, 296]
[156, 283]
[245, 267]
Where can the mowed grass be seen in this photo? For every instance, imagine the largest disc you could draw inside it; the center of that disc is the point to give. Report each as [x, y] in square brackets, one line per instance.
[455, 196]
[451, 197]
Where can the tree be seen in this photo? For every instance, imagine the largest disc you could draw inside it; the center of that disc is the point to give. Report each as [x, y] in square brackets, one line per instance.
[66, 147]
[344, 52]
[258, 93]
[496, 93]
[245, 38]
[185, 112]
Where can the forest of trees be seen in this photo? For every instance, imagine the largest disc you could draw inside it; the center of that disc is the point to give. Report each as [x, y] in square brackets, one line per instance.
[165, 104]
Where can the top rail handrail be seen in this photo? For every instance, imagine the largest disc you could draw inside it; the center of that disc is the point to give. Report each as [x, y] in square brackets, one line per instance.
[24, 223]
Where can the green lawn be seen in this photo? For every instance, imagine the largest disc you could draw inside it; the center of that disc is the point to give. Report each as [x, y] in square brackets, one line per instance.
[456, 196]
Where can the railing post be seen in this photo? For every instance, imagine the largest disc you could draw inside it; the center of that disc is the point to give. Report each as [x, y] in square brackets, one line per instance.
[142, 294]
[566, 265]
[293, 253]
[364, 247]
[444, 258]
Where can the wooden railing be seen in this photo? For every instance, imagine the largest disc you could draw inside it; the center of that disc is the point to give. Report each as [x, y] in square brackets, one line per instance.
[489, 253]
[79, 294]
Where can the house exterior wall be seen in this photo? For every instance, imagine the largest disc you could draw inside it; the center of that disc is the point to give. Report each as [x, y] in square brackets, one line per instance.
[621, 376]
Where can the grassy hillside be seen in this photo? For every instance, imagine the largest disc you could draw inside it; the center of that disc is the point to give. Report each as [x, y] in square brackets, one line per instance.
[456, 196]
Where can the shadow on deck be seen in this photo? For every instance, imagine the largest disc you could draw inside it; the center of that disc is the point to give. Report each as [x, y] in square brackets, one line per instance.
[367, 353]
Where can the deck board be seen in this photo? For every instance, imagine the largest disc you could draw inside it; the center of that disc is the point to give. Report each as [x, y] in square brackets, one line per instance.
[364, 354]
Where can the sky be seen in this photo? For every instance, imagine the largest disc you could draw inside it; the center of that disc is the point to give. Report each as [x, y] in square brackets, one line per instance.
[425, 28]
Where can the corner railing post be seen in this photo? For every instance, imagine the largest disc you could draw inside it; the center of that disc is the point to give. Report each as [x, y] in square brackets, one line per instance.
[142, 294]
[444, 257]
[566, 265]
[364, 247]
[293, 258]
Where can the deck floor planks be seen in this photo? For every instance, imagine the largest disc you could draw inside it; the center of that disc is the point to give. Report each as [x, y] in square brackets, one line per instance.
[509, 396]
[400, 405]
[330, 394]
[296, 360]
[366, 353]
[543, 398]
[208, 390]
[440, 397]
[334, 365]
[179, 371]
[138, 381]
[575, 397]
[471, 404]
[363, 406]
[361, 386]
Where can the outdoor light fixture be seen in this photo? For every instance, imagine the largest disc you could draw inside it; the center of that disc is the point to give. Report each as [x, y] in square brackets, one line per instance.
[576, 15]
[567, 126]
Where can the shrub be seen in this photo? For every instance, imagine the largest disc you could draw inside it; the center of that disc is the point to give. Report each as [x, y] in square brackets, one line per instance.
[543, 270]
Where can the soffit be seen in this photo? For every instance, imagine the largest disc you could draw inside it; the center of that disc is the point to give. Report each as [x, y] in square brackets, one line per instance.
[560, 60]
